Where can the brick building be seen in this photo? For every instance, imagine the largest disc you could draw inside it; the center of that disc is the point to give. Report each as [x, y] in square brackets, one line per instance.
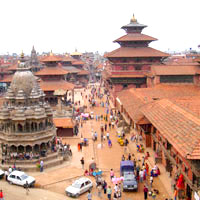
[129, 65]
[168, 118]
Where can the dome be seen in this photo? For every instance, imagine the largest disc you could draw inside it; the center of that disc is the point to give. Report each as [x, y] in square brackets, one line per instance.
[23, 80]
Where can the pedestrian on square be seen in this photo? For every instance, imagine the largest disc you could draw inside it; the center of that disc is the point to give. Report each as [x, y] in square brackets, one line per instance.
[89, 195]
[1, 195]
[113, 124]
[41, 166]
[129, 156]
[82, 162]
[109, 125]
[107, 135]
[109, 143]
[105, 127]
[99, 188]
[154, 194]
[151, 181]
[26, 186]
[145, 192]
[109, 193]
[112, 174]
[101, 137]
[6, 175]
[115, 196]
[104, 186]
[141, 174]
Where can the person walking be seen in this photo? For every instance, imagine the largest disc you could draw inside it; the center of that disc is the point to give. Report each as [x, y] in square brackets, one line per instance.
[89, 195]
[99, 188]
[112, 174]
[41, 166]
[107, 135]
[105, 127]
[104, 186]
[151, 181]
[82, 162]
[26, 186]
[1, 195]
[145, 192]
[109, 192]
[6, 175]
[141, 174]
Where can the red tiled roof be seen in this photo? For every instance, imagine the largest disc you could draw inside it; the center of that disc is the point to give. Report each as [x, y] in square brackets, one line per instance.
[63, 122]
[83, 72]
[50, 58]
[55, 85]
[180, 128]
[7, 79]
[78, 62]
[133, 99]
[136, 52]
[51, 71]
[135, 37]
[175, 69]
[12, 67]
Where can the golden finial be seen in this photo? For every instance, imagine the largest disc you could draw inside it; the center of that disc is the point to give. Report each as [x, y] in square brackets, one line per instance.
[51, 53]
[22, 54]
[133, 19]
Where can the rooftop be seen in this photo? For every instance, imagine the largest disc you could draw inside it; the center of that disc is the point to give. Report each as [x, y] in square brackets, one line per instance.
[51, 71]
[179, 127]
[55, 85]
[63, 122]
[175, 69]
[135, 52]
[135, 37]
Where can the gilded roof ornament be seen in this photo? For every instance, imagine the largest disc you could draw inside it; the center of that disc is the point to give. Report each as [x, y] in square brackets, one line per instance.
[133, 19]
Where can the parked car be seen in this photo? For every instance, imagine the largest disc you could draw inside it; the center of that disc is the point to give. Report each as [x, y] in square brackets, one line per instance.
[130, 182]
[1, 174]
[79, 187]
[20, 178]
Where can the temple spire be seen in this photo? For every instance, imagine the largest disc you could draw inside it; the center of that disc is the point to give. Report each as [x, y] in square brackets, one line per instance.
[133, 19]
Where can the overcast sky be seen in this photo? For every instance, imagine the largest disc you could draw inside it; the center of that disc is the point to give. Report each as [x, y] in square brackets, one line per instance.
[92, 25]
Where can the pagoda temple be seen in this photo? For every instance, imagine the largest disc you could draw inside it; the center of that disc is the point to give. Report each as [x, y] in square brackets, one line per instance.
[129, 65]
[53, 77]
[27, 131]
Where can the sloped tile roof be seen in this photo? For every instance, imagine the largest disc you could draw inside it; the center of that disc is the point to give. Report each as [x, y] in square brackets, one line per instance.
[51, 71]
[135, 52]
[179, 127]
[55, 85]
[63, 122]
[175, 69]
[135, 37]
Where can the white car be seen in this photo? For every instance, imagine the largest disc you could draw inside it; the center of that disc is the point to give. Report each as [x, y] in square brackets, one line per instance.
[79, 187]
[20, 178]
